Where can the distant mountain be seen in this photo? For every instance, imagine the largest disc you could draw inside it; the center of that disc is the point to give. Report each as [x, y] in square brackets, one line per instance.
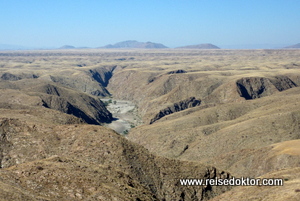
[254, 46]
[200, 46]
[67, 47]
[294, 46]
[13, 47]
[135, 44]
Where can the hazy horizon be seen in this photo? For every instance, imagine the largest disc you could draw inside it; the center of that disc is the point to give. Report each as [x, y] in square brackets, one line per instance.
[227, 24]
[241, 46]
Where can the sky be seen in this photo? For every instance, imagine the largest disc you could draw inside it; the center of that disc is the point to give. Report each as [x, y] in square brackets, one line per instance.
[95, 23]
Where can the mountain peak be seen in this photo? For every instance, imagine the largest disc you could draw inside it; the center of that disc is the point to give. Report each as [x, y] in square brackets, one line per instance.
[200, 46]
[136, 44]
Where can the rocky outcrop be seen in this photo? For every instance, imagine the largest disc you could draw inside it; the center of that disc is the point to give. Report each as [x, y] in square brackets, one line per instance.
[182, 105]
[282, 82]
[257, 87]
[176, 71]
[254, 87]
[102, 75]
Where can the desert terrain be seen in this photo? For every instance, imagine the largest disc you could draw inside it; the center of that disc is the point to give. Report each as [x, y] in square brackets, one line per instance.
[128, 124]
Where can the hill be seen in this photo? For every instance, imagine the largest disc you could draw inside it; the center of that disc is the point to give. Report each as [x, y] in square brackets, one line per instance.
[46, 159]
[200, 46]
[50, 95]
[294, 46]
[67, 47]
[231, 99]
[136, 44]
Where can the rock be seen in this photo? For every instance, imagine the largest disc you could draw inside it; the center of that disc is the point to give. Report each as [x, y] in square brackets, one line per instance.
[257, 87]
[102, 75]
[177, 71]
[182, 105]
[282, 82]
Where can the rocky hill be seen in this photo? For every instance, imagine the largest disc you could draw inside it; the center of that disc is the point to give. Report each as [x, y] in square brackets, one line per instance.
[136, 44]
[200, 46]
[44, 94]
[55, 161]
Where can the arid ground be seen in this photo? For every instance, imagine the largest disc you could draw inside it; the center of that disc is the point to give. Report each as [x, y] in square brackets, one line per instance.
[197, 114]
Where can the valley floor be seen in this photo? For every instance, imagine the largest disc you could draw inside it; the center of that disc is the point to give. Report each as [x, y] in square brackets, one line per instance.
[125, 115]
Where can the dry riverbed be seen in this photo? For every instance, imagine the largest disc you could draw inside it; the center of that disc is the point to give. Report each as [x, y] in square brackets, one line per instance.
[124, 113]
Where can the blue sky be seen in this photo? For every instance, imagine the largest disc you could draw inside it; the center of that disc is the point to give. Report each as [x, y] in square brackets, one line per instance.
[94, 23]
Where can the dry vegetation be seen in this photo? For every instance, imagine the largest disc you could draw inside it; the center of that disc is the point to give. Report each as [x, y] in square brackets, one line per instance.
[246, 121]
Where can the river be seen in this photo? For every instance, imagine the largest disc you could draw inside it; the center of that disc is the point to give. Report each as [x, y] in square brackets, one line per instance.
[124, 113]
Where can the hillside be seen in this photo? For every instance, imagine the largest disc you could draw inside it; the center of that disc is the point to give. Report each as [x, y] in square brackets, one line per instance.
[200, 46]
[42, 94]
[248, 162]
[136, 44]
[49, 160]
[289, 191]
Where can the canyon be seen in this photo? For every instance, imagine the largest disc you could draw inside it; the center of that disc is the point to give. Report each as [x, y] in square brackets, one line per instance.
[107, 124]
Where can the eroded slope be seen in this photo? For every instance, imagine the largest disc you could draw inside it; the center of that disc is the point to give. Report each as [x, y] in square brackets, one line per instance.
[289, 191]
[79, 161]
